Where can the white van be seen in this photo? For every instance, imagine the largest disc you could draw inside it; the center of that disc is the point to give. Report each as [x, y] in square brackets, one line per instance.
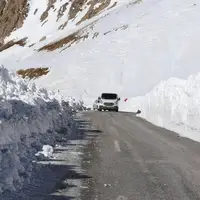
[107, 101]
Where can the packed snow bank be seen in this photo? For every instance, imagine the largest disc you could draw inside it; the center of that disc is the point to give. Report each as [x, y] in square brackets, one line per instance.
[173, 104]
[30, 118]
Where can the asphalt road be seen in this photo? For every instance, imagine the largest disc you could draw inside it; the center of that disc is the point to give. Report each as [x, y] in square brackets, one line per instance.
[131, 159]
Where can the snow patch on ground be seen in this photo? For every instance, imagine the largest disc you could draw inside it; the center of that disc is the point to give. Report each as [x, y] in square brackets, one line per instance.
[30, 118]
[173, 104]
[47, 151]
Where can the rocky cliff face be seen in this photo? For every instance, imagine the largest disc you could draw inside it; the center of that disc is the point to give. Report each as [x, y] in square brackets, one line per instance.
[12, 15]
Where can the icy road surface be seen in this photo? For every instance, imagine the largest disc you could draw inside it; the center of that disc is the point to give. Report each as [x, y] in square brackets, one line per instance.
[132, 159]
[117, 156]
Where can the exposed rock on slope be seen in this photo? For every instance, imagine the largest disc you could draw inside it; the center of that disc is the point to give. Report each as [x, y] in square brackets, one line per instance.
[33, 73]
[12, 15]
[45, 14]
[53, 15]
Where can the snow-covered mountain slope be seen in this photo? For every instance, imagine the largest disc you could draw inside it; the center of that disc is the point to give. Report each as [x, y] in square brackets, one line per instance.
[49, 17]
[29, 117]
[129, 50]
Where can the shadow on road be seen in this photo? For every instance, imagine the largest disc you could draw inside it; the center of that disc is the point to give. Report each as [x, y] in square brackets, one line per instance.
[46, 180]
[53, 179]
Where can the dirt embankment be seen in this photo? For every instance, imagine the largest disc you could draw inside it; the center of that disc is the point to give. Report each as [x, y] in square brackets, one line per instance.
[12, 15]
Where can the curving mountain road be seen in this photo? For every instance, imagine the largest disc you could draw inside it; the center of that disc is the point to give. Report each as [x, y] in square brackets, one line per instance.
[131, 159]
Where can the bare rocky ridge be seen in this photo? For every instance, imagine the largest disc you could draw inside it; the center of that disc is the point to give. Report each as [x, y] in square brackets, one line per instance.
[12, 15]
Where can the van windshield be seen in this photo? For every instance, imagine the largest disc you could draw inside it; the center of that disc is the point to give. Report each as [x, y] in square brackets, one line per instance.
[108, 96]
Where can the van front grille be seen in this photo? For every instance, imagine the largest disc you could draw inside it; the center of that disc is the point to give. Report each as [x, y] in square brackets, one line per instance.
[108, 104]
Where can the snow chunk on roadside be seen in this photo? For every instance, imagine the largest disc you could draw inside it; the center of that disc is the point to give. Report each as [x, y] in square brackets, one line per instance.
[47, 151]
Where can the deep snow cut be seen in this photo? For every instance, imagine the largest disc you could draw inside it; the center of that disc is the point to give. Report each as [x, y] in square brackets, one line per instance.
[30, 118]
[173, 104]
